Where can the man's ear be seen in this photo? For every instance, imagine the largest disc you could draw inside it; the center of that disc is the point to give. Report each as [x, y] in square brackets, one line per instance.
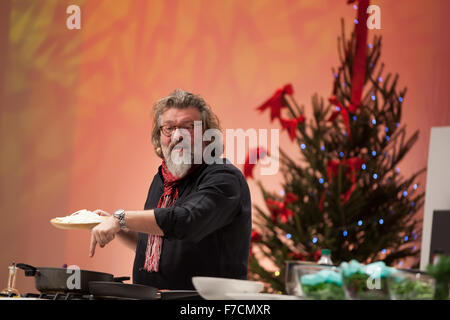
[159, 152]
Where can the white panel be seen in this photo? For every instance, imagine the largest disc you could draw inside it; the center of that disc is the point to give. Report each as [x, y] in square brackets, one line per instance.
[437, 192]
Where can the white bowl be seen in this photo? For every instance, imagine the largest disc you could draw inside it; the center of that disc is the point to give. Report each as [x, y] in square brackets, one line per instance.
[212, 288]
[261, 296]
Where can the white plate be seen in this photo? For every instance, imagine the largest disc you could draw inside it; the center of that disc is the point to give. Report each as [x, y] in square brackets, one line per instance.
[213, 296]
[261, 296]
[67, 226]
[212, 288]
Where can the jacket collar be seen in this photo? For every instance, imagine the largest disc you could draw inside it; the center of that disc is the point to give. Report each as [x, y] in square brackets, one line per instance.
[183, 182]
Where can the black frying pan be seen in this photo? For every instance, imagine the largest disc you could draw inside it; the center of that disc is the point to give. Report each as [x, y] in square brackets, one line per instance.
[180, 295]
[122, 290]
[54, 280]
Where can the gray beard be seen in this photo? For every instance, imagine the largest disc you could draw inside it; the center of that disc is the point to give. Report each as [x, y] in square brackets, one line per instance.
[178, 165]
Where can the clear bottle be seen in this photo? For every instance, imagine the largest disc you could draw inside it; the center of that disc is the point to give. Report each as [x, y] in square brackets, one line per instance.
[11, 290]
[325, 257]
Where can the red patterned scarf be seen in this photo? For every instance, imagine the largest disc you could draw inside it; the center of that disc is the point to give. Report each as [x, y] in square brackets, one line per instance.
[168, 199]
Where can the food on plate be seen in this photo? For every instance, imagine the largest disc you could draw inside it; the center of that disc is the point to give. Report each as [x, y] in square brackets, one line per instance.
[81, 216]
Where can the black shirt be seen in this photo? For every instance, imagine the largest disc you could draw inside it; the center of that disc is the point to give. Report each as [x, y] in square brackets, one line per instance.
[206, 233]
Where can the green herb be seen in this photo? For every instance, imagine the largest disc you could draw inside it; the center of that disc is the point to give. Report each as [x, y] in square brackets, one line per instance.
[408, 289]
[441, 272]
[323, 291]
[356, 287]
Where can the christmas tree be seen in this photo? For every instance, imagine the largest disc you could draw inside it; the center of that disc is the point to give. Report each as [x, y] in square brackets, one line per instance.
[345, 192]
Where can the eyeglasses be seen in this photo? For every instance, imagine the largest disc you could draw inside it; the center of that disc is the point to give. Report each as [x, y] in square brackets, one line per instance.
[167, 130]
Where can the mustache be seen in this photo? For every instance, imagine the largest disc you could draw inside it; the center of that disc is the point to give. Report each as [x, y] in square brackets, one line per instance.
[179, 144]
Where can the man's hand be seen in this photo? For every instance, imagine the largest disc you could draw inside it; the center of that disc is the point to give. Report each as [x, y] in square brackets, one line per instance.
[104, 232]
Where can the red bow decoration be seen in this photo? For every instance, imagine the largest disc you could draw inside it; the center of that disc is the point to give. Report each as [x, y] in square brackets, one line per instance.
[280, 208]
[253, 155]
[290, 198]
[296, 256]
[342, 109]
[358, 70]
[359, 64]
[291, 125]
[316, 255]
[352, 166]
[277, 102]
[255, 237]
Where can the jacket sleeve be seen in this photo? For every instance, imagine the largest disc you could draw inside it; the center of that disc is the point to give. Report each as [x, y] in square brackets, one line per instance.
[212, 206]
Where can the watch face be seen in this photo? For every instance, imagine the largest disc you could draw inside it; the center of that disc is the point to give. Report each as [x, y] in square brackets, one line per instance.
[120, 215]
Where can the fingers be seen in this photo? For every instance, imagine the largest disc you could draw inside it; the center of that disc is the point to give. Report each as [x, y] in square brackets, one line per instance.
[103, 237]
[101, 213]
[102, 234]
[92, 245]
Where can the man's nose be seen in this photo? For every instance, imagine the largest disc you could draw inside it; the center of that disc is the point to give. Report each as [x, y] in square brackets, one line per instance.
[176, 135]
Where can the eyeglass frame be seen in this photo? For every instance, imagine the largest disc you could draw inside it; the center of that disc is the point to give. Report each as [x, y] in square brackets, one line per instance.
[175, 127]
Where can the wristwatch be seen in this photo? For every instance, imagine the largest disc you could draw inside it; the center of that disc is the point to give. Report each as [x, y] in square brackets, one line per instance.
[120, 215]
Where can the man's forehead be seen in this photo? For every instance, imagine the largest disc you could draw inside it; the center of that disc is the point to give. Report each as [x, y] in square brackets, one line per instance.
[181, 115]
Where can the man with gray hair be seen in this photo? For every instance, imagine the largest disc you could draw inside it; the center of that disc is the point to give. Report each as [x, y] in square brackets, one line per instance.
[197, 217]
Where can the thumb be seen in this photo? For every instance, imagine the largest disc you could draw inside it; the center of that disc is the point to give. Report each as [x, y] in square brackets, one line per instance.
[101, 213]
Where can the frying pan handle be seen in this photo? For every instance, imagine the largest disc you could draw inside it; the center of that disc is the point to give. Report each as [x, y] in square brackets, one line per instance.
[30, 271]
[121, 279]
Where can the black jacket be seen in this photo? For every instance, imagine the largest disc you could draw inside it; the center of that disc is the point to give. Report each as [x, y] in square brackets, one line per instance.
[206, 233]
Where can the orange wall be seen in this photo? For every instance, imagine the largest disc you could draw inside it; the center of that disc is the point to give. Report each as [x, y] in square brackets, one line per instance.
[75, 104]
